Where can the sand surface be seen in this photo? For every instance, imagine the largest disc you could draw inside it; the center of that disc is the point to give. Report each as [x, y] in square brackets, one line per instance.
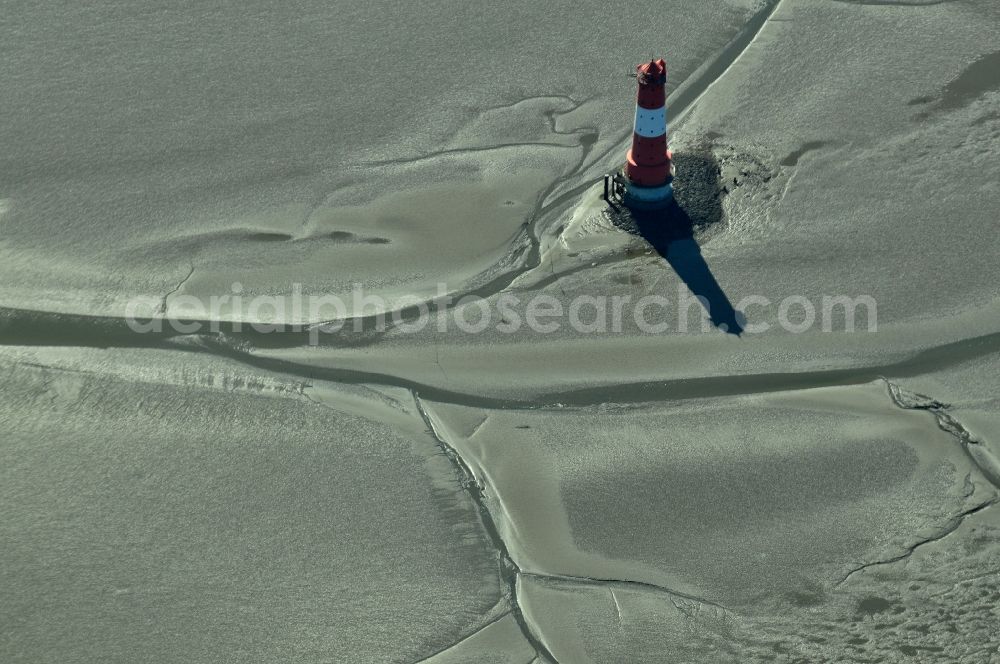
[724, 489]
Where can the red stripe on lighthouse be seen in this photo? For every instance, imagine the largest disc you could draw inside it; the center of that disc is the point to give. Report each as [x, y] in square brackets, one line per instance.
[648, 163]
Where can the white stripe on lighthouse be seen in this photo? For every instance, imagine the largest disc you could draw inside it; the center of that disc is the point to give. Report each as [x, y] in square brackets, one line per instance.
[650, 123]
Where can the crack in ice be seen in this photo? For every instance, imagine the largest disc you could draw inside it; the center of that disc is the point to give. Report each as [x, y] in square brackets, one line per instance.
[618, 608]
[953, 525]
[163, 303]
[907, 400]
[508, 569]
[946, 422]
[465, 638]
[627, 583]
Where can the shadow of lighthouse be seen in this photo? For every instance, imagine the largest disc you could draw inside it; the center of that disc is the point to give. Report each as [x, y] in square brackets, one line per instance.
[670, 231]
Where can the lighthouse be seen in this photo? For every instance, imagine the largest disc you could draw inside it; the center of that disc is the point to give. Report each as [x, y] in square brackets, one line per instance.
[646, 181]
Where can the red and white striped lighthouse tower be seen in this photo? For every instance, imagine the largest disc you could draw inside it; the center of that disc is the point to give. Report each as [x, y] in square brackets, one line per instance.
[649, 169]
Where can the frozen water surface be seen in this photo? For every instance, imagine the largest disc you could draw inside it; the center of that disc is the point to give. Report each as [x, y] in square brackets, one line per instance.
[395, 495]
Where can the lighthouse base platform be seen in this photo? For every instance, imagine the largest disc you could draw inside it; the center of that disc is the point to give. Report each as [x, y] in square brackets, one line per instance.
[648, 198]
[619, 189]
